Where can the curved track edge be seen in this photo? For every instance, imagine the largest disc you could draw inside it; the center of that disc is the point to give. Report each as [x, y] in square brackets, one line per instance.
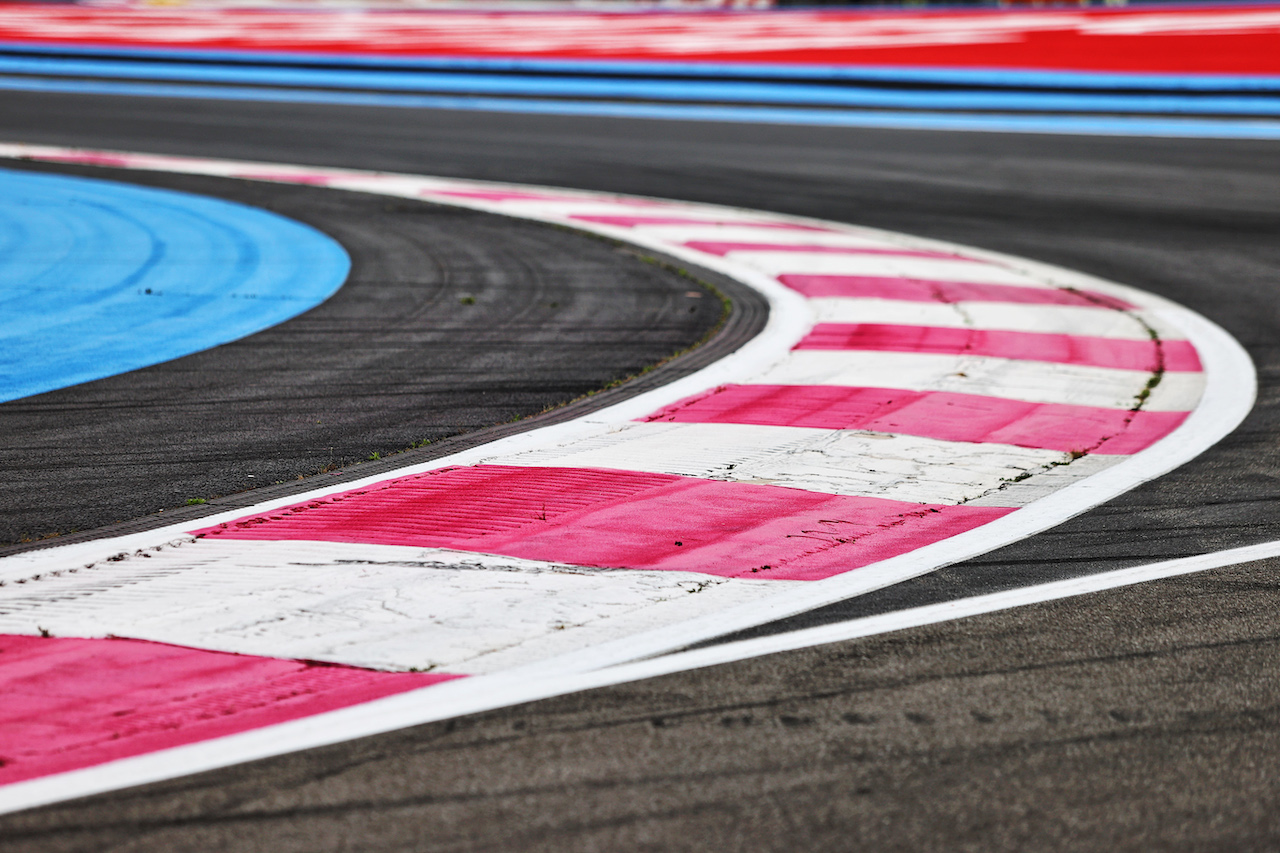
[1228, 396]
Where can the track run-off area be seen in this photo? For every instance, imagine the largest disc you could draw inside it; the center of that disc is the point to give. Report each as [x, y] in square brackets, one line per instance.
[823, 496]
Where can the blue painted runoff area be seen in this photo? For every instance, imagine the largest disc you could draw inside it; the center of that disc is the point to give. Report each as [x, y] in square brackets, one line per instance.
[98, 278]
[1012, 78]
[784, 93]
[1087, 125]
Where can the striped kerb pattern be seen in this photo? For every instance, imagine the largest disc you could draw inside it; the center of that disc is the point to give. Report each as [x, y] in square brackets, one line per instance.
[922, 340]
[71, 702]
[904, 392]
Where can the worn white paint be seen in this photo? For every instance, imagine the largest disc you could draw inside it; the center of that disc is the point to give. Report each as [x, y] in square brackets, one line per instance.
[470, 696]
[348, 615]
[837, 462]
[1032, 381]
[1000, 316]
[888, 266]
[378, 606]
[848, 238]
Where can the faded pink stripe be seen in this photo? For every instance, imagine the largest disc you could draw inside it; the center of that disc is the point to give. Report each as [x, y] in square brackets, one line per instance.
[73, 703]
[518, 195]
[502, 195]
[1029, 346]
[713, 247]
[930, 414]
[621, 519]
[632, 221]
[88, 157]
[316, 180]
[930, 290]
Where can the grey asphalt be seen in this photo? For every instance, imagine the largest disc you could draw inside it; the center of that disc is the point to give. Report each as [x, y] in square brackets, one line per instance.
[451, 321]
[1142, 718]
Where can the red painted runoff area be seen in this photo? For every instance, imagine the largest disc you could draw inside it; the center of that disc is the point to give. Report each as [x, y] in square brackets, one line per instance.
[933, 290]
[1027, 346]
[621, 519]
[75, 703]
[1220, 39]
[943, 415]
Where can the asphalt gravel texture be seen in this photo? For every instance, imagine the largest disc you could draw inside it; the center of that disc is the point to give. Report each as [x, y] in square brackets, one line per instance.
[450, 321]
[1144, 718]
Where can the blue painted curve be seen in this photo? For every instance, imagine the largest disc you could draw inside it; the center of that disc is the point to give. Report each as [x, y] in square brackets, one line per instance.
[99, 278]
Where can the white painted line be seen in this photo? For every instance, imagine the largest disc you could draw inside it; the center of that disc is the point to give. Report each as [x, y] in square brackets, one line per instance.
[378, 606]
[1228, 397]
[834, 462]
[827, 263]
[1037, 319]
[960, 608]
[486, 693]
[785, 327]
[1218, 401]
[852, 238]
[1011, 379]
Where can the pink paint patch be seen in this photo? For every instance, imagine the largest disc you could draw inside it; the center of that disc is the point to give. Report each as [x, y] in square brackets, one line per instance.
[928, 290]
[621, 519]
[632, 221]
[286, 178]
[712, 247]
[72, 703]
[89, 159]
[1028, 346]
[929, 414]
[505, 195]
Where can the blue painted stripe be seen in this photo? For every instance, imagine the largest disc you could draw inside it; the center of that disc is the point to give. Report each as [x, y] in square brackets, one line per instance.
[1199, 128]
[718, 91]
[1013, 78]
[99, 278]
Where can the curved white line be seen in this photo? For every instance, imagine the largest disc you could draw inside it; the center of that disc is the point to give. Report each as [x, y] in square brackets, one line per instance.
[488, 693]
[1229, 395]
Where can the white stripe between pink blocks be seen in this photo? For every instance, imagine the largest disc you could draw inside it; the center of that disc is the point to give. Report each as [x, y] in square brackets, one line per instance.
[900, 411]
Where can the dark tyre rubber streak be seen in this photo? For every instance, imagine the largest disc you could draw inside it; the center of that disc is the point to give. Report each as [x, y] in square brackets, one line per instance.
[1137, 719]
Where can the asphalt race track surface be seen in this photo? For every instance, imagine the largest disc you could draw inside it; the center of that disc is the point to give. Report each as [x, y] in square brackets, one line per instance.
[451, 321]
[1141, 718]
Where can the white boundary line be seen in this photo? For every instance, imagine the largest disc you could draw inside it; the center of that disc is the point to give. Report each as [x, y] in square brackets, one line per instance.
[1229, 396]
[490, 692]
[1230, 382]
